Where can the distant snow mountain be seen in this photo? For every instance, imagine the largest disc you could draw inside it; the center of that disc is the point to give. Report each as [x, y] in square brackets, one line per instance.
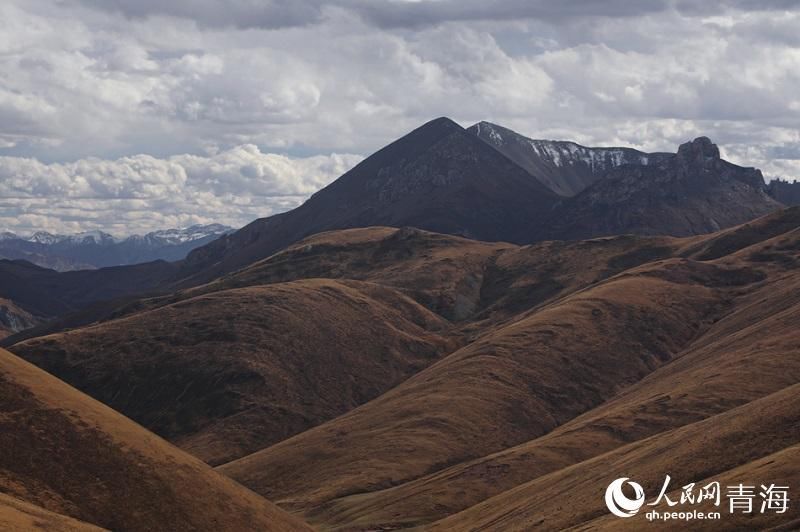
[565, 167]
[175, 237]
[85, 238]
[96, 249]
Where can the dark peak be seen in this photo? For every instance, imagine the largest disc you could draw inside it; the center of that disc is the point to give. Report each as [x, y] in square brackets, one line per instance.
[699, 151]
[442, 124]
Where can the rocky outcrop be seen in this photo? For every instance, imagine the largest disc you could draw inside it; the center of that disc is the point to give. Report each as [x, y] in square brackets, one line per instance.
[14, 319]
[786, 192]
[691, 192]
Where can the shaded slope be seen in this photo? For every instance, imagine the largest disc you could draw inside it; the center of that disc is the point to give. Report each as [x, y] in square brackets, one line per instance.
[49, 293]
[693, 192]
[70, 455]
[439, 177]
[228, 373]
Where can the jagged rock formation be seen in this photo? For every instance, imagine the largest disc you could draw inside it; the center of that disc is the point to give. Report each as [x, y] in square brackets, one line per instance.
[692, 192]
[786, 192]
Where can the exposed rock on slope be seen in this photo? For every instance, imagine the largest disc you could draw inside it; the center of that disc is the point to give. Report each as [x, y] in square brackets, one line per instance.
[565, 167]
[14, 319]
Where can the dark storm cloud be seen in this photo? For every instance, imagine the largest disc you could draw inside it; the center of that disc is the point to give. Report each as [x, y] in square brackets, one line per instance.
[413, 14]
[240, 13]
[271, 14]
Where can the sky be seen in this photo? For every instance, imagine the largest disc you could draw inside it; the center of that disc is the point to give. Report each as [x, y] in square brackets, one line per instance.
[134, 115]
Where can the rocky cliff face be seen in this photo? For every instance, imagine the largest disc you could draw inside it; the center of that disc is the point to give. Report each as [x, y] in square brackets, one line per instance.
[691, 192]
[565, 167]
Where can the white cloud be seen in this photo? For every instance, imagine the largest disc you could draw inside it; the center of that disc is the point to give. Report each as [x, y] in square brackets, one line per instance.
[100, 82]
[142, 193]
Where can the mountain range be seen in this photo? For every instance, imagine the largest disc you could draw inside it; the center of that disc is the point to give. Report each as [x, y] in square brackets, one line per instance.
[96, 249]
[382, 378]
[489, 183]
[469, 330]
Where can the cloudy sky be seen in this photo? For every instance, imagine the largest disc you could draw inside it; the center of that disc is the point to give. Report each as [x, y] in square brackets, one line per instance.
[133, 115]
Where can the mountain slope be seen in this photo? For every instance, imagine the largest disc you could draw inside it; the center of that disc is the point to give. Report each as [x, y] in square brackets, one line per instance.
[47, 293]
[532, 375]
[559, 351]
[224, 374]
[693, 192]
[709, 450]
[747, 354]
[512, 384]
[73, 456]
[439, 177]
[565, 167]
[20, 516]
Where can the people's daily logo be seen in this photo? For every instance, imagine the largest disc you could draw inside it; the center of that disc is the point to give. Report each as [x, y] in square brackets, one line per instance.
[618, 503]
[624, 498]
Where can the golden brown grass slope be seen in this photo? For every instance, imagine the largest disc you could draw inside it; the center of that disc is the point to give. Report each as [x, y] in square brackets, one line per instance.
[512, 384]
[710, 450]
[750, 353]
[70, 455]
[465, 281]
[230, 372]
[427, 379]
[656, 348]
[19, 516]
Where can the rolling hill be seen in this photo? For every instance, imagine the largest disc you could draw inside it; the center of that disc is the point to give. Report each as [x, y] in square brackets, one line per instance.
[416, 454]
[20, 516]
[223, 374]
[70, 455]
[439, 375]
[715, 374]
